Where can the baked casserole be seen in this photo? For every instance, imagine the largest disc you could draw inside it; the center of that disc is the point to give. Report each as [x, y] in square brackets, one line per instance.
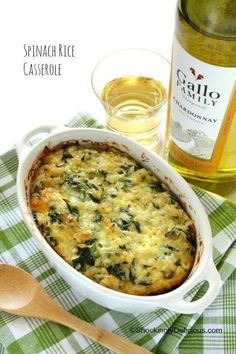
[111, 219]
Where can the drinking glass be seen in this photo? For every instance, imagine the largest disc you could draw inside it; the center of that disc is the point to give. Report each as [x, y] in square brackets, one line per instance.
[132, 85]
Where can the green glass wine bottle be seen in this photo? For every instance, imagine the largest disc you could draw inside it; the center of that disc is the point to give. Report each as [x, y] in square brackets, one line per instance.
[201, 124]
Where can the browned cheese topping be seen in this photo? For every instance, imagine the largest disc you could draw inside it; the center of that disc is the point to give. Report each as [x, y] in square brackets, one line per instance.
[112, 220]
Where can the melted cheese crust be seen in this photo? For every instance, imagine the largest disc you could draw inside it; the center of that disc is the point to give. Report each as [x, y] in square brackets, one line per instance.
[112, 219]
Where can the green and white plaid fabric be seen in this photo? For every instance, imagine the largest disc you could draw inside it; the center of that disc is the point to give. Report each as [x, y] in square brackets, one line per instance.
[161, 331]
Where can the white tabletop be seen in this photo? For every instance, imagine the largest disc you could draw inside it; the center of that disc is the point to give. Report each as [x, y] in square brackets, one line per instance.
[95, 28]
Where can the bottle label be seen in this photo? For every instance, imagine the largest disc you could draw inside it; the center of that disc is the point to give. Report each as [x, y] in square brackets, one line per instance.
[201, 109]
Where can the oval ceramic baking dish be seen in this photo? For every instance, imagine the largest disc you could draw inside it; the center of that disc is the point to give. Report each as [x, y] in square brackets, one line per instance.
[203, 269]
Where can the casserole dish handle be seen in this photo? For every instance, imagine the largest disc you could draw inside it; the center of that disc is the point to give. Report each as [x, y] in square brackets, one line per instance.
[180, 305]
[24, 145]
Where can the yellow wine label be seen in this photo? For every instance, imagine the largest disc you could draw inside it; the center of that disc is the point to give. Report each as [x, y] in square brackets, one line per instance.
[203, 105]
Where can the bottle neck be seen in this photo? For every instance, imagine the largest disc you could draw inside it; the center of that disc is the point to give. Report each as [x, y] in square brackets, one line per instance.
[214, 18]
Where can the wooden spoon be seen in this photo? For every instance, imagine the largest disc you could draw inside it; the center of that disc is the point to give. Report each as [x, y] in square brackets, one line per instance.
[22, 295]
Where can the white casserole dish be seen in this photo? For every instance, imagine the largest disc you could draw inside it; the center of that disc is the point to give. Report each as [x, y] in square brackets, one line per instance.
[203, 269]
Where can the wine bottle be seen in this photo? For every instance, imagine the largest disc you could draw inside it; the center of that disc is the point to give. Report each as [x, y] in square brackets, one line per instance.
[201, 124]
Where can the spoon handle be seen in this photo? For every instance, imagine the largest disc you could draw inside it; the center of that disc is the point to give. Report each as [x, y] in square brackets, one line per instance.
[110, 340]
[47, 309]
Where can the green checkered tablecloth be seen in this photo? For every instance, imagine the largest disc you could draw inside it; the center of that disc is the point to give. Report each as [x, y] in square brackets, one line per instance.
[161, 331]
